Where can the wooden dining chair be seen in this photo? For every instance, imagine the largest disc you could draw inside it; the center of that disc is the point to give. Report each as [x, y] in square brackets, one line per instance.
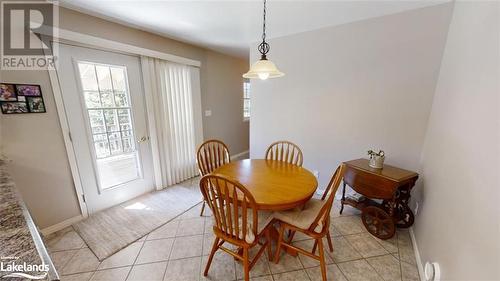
[236, 220]
[211, 155]
[285, 151]
[312, 220]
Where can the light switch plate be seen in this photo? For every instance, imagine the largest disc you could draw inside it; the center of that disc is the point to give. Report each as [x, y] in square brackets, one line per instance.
[208, 113]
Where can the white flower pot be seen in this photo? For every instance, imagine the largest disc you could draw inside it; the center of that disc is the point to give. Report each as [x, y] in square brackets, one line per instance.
[377, 162]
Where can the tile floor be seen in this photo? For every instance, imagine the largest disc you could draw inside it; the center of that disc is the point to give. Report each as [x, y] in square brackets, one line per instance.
[178, 251]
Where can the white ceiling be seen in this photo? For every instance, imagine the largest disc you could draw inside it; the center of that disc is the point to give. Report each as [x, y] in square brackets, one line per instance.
[231, 26]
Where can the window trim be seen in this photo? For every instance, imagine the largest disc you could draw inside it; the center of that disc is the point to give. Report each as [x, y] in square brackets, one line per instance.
[246, 119]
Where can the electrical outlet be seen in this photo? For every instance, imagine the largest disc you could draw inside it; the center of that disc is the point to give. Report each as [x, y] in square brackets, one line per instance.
[208, 113]
[316, 174]
[415, 212]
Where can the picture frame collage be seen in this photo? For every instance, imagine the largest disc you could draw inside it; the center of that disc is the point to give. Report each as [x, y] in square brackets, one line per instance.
[21, 98]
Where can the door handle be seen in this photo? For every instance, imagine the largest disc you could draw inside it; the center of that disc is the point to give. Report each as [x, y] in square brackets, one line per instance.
[143, 139]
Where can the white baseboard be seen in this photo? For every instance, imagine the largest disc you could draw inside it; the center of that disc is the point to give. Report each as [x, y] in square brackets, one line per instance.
[56, 227]
[239, 155]
[417, 255]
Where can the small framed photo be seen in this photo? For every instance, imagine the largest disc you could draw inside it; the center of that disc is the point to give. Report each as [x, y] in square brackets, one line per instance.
[28, 90]
[7, 92]
[35, 104]
[14, 107]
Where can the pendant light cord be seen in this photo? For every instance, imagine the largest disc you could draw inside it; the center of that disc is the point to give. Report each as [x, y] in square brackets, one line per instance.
[264, 24]
[264, 47]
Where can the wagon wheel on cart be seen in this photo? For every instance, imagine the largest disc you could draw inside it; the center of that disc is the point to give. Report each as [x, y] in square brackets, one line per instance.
[378, 222]
[404, 216]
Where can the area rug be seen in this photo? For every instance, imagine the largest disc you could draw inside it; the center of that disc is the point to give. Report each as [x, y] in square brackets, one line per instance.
[113, 229]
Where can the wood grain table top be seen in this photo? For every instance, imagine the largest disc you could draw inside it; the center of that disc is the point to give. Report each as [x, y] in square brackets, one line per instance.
[275, 185]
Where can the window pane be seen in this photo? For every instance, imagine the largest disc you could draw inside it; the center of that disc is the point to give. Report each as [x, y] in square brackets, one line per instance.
[115, 143]
[118, 75]
[121, 99]
[101, 146]
[92, 99]
[88, 76]
[96, 120]
[103, 77]
[124, 119]
[128, 145]
[111, 120]
[107, 99]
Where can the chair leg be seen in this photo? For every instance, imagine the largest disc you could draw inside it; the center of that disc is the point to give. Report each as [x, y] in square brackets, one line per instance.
[278, 244]
[269, 246]
[329, 239]
[202, 208]
[322, 258]
[212, 253]
[246, 266]
[315, 246]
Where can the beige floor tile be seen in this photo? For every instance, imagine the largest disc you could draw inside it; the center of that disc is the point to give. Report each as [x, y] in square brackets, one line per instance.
[343, 250]
[183, 270]
[260, 268]
[169, 230]
[409, 272]
[190, 227]
[391, 245]
[83, 261]
[61, 258]
[366, 245]
[386, 266]
[308, 245]
[333, 273]
[77, 277]
[155, 251]
[195, 212]
[261, 278]
[209, 222]
[208, 241]
[334, 232]
[405, 246]
[124, 257]
[286, 263]
[359, 270]
[147, 272]
[299, 275]
[65, 239]
[221, 269]
[115, 274]
[348, 225]
[186, 247]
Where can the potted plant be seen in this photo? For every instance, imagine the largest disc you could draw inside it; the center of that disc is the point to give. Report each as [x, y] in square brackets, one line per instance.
[376, 159]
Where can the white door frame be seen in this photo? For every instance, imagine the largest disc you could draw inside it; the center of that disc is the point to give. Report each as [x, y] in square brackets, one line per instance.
[100, 43]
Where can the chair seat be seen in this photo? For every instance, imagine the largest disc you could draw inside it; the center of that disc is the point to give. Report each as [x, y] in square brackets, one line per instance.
[302, 217]
[264, 218]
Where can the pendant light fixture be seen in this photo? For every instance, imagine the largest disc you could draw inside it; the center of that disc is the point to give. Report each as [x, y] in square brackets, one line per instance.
[263, 68]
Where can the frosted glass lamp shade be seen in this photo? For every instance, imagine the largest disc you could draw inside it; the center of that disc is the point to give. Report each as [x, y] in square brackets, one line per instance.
[263, 69]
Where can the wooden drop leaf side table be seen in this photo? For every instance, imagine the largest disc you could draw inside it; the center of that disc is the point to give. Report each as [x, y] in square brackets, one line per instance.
[385, 196]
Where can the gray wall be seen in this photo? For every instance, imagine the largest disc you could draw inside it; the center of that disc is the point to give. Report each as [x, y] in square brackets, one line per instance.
[350, 88]
[458, 225]
[34, 142]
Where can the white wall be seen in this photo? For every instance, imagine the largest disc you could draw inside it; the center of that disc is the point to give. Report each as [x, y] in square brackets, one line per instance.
[350, 88]
[458, 225]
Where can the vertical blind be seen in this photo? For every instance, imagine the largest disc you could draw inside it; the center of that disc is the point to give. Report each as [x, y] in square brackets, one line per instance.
[172, 99]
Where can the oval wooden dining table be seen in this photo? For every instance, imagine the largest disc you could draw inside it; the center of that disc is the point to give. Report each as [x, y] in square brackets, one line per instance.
[275, 185]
